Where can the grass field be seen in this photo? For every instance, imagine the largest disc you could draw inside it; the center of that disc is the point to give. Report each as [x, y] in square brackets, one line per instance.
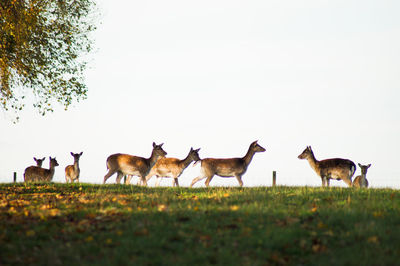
[84, 224]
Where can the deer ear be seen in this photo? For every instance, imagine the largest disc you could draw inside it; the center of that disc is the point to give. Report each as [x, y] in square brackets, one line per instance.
[161, 144]
[43, 158]
[369, 165]
[72, 153]
[154, 144]
[34, 158]
[198, 149]
[81, 153]
[359, 164]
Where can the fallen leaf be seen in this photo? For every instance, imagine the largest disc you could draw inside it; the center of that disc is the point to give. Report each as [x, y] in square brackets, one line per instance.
[321, 225]
[377, 214]
[54, 212]
[205, 238]
[234, 208]
[30, 233]
[373, 240]
[316, 248]
[142, 232]
[314, 208]
[162, 208]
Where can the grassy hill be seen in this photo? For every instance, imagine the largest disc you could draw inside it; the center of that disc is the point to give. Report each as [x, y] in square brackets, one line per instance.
[61, 224]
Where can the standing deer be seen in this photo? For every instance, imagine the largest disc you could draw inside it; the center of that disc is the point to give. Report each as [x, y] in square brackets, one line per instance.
[125, 164]
[232, 167]
[339, 169]
[361, 180]
[72, 171]
[37, 174]
[39, 162]
[172, 167]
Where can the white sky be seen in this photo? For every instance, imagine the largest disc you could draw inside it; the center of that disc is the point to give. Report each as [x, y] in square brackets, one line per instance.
[218, 75]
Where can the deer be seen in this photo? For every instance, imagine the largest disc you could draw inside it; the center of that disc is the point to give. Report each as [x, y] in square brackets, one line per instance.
[232, 167]
[125, 164]
[39, 174]
[39, 162]
[172, 167]
[336, 168]
[72, 171]
[361, 180]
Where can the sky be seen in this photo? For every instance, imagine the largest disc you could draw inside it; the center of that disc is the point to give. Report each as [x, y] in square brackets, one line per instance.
[218, 75]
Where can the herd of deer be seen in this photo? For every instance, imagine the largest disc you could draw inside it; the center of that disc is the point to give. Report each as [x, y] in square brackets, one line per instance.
[160, 166]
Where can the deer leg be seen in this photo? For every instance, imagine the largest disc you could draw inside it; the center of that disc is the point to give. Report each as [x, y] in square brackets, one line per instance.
[144, 182]
[150, 175]
[128, 179]
[325, 181]
[323, 178]
[208, 180]
[197, 179]
[119, 177]
[176, 183]
[239, 179]
[110, 173]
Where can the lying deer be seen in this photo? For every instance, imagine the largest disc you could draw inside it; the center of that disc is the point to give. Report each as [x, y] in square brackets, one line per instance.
[172, 167]
[37, 174]
[361, 180]
[39, 162]
[72, 171]
[125, 164]
[233, 167]
[339, 169]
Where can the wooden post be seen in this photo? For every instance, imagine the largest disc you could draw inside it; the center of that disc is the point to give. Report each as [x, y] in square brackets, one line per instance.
[273, 178]
[15, 177]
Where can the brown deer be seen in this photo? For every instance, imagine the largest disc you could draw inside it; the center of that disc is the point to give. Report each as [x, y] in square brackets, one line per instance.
[125, 164]
[361, 180]
[172, 167]
[232, 167]
[39, 174]
[72, 171]
[39, 162]
[339, 169]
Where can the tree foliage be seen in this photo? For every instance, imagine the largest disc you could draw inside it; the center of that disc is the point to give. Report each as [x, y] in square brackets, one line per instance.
[43, 44]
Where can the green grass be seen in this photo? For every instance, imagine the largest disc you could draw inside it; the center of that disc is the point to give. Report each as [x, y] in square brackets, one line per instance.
[84, 224]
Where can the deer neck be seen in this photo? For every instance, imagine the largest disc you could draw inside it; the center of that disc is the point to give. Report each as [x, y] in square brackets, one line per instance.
[249, 156]
[185, 162]
[314, 163]
[152, 160]
[76, 165]
[52, 169]
[363, 175]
